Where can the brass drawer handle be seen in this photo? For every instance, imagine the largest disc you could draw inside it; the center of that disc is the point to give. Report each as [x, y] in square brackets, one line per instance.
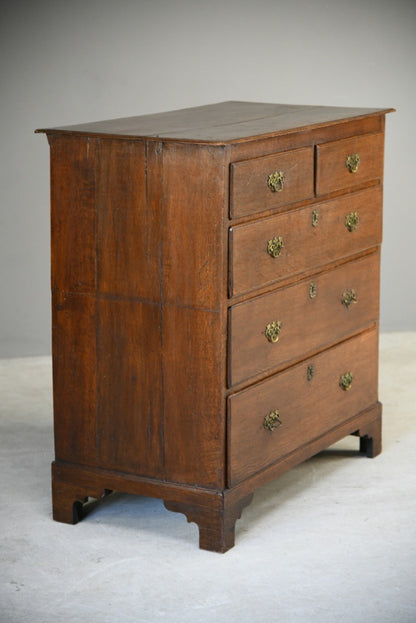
[275, 246]
[345, 381]
[352, 162]
[275, 181]
[351, 221]
[348, 297]
[312, 290]
[315, 218]
[272, 420]
[273, 330]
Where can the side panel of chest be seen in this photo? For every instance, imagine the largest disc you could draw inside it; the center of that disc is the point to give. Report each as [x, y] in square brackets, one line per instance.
[106, 299]
[138, 278]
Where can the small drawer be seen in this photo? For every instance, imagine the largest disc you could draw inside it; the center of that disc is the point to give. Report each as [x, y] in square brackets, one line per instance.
[275, 248]
[271, 181]
[268, 421]
[274, 330]
[348, 163]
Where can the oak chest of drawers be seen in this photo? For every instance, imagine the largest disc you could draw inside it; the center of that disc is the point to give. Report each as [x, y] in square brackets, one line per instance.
[215, 295]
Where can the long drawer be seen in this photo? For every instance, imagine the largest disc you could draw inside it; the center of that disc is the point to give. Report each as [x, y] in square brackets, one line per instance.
[274, 248]
[276, 416]
[271, 331]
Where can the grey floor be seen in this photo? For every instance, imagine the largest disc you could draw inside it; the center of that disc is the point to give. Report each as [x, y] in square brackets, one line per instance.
[334, 540]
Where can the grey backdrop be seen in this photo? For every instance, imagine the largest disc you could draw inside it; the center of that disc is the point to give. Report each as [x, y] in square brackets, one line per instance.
[64, 62]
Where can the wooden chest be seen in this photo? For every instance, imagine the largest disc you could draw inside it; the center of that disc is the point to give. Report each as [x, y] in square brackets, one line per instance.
[215, 296]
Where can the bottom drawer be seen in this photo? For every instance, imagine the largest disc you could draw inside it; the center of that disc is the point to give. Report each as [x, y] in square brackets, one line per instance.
[276, 416]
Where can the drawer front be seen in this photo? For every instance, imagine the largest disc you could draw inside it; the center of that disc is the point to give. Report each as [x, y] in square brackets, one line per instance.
[274, 248]
[273, 330]
[271, 181]
[310, 400]
[348, 163]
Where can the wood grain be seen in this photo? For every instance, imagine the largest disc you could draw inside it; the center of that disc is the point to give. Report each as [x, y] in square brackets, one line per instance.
[194, 408]
[193, 213]
[128, 229]
[73, 214]
[130, 427]
[74, 352]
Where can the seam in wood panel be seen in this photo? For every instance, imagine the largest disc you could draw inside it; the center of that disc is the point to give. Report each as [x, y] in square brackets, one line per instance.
[97, 308]
[135, 299]
[158, 164]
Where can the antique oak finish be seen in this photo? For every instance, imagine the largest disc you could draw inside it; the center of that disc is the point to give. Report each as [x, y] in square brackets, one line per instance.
[215, 297]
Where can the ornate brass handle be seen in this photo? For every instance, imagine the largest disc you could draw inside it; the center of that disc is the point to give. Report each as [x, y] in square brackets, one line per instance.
[272, 420]
[348, 297]
[275, 246]
[315, 218]
[352, 162]
[351, 221]
[345, 381]
[272, 331]
[275, 181]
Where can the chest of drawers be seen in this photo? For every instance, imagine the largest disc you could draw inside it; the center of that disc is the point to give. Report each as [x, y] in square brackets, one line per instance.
[215, 301]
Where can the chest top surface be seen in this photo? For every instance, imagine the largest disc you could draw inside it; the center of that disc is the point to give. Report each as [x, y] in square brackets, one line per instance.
[222, 123]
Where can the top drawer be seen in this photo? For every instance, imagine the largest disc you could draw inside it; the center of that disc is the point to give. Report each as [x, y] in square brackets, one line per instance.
[348, 163]
[271, 181]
